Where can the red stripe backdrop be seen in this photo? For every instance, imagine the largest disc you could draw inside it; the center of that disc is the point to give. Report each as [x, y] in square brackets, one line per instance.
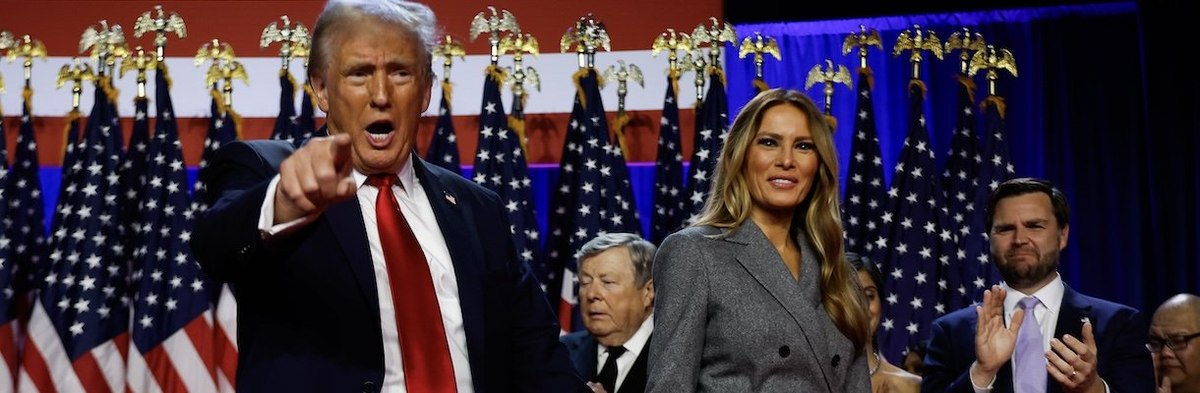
[632, 25]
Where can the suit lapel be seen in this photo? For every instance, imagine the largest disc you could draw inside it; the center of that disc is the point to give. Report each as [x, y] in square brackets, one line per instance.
[1070, 321]
[585, 359]
[346, 221]
[635, 381]
[760, 259]
[459, 233]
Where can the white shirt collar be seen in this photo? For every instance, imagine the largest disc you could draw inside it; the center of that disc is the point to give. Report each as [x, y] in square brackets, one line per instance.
[407, 176]
[1050, 295]
[638, 340]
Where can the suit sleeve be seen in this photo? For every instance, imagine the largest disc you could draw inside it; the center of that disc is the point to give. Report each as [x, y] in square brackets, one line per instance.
[943, 371]
[1125, 361]
[680, 311]
[539, 361]
[226, 235]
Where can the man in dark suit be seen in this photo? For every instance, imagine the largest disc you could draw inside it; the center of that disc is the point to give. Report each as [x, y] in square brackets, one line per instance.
[356, 265]
[616, 298]
[1056, 339]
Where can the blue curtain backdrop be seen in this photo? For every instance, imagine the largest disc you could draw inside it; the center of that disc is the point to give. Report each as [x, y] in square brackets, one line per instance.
[1093, 81]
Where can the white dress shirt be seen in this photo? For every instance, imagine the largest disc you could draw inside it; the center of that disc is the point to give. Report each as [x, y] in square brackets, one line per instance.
[417, 210]
[633, 348]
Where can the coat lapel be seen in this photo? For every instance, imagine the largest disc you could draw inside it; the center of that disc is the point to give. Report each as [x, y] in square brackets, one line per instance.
[346, 220]
[635, 381]
[760, 259]
[459, 233]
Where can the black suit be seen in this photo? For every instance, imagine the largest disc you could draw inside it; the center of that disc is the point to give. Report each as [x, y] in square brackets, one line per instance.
[582, 347]
[308, 309]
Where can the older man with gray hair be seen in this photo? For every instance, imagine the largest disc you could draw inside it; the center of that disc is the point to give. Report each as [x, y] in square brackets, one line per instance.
[616, 298]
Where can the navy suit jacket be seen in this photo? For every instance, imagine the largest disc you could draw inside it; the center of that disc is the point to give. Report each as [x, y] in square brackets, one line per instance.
[582, 347]
[1120, 331]
[308, 310]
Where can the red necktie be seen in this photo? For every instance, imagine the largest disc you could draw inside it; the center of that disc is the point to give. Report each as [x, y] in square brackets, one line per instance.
[423, 347]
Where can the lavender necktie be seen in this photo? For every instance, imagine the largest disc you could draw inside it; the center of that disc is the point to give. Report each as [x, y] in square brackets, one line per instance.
[1029, 370]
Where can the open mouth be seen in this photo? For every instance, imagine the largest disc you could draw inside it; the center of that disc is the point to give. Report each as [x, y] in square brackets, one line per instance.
[381, 127]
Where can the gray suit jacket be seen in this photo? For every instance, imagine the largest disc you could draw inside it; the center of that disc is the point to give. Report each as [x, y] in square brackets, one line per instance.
[730, 318]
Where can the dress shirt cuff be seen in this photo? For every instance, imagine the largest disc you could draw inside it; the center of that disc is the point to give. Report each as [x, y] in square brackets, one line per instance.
[266, 218]
[979, 389]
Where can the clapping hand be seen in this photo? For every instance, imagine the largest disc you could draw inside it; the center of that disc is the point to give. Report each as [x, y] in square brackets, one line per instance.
[994, 343]
[1073, 363]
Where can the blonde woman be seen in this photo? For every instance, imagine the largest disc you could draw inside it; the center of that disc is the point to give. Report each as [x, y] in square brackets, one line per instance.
[755, 296]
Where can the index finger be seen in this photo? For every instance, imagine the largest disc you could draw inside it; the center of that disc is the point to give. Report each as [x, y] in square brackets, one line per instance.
[341, 152]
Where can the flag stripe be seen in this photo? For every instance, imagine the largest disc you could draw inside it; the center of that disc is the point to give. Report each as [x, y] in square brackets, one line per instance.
[8, 348]
[194, 351]
[45, 365]
[544, 130]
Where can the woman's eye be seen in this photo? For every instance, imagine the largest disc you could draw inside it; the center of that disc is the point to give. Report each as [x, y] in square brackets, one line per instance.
[767, 142]
[806, 146]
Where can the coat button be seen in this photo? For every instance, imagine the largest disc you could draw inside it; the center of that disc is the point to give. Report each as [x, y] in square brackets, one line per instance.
[837, 359]
[784, 351]
[368, 387]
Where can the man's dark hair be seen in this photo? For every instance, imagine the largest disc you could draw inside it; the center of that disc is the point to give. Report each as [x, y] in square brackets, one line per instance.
[1025, 185]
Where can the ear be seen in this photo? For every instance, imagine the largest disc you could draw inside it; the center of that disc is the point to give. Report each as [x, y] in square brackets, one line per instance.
[428, 92]
[1062, 236]
[317, 82]
[648, 294]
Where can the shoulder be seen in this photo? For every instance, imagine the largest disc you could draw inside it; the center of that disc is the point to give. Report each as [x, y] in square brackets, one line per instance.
[958, 318]
[576, 339]
[453, 182]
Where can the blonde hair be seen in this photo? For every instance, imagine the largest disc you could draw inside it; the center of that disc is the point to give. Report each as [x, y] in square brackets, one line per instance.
[729, 205]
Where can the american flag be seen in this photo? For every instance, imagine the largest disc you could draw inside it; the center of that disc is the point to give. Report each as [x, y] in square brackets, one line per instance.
[670, 206]
[593, 194]
[712, 126]
[222, 128]
[78, 329]
[132, 185]
[917, 249]
[443, 148]
[995, 168]
[8, 304]
[306, 122]
[866, 193]
[287, 123]
[500, 166]
[26, 219]
[69, 162]
[171, 327]
[960, 183]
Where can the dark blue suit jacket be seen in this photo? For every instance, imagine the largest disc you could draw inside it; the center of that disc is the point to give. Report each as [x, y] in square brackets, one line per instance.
[308, 310]
[1120, 331]
[582, 347]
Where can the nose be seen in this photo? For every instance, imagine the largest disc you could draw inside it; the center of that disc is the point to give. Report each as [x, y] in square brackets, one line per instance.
[786, 159]
[380, 91]
[1021, 236]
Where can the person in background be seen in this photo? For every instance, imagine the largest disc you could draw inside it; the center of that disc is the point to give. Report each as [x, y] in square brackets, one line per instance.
[755, 295]
[885, 377]
[1173, 332]
[356, 265]
[1033, 333]
[616, 296]
[914, 359]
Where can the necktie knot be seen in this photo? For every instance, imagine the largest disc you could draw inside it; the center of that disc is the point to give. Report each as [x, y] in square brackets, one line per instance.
[1029, 303]
[382, 180]
[608, 374]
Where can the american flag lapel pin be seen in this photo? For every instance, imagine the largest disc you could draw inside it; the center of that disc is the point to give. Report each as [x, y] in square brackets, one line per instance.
[450, 198]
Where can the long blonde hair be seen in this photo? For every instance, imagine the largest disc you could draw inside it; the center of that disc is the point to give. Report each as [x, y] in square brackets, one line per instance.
[729, 205]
